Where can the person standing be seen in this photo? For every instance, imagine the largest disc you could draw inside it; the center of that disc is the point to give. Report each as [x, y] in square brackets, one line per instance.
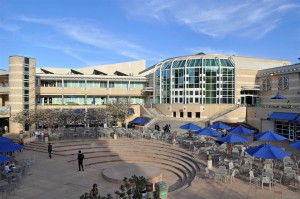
[20, 142]
[80, 158]
[50, 150]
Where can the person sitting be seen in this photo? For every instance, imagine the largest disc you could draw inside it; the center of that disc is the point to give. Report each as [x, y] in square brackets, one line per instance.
[6, 168]
[12, 165]
[94, 191]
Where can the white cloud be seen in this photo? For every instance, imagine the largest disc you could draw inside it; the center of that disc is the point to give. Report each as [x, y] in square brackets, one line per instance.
[91, 34]
[217, 18]
[8, 27]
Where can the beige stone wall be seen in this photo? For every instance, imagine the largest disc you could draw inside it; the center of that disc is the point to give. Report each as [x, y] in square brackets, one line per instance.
[257, 116]
[238, 115]
[16, 87]
[292, 93]
[244, 77]
[91, 91]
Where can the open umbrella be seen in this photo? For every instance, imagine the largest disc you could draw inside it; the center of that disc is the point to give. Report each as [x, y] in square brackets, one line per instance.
[269, 136]
[209, 132]
[219, 125]
[295, 145]
[190, 127]
[10, 147]
[139, 120]
[278, 96]
[5, 140]
[4, 158]
[232, 138]
[240, 129]
[267, 151]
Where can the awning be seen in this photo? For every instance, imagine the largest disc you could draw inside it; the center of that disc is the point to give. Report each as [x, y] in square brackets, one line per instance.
[298, 119]
[283, 116]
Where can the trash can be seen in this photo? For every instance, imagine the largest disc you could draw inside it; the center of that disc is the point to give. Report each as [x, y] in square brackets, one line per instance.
[149, 190]
[209, 161]
[162, 189]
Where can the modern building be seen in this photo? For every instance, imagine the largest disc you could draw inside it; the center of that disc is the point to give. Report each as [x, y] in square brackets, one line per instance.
[200, 87]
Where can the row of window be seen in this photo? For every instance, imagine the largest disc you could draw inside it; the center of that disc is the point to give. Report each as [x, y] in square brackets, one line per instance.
[91, 84]
[283, 83]
[81, 100]
[197, 63]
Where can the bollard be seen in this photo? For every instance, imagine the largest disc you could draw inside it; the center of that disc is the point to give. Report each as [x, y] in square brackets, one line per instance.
[209, 161]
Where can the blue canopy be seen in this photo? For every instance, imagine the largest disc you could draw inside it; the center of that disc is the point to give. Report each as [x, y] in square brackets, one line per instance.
[233, 138]
[5, 140]
[219, 125]
[269, 135]
[4, 158]
[190, 127]
[10, 147]
[283, 116]
[296, 145]
[209, 132]
[240, 129]
[278, 97]
[267, 151]
[139, 120]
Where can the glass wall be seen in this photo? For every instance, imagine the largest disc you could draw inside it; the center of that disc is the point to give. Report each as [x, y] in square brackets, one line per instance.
[203, 81]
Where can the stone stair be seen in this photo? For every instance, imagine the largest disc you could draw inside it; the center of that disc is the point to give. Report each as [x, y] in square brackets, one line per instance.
[171, 159]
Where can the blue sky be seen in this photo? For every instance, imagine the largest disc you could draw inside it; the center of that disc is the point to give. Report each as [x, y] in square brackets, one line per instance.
[79, 33]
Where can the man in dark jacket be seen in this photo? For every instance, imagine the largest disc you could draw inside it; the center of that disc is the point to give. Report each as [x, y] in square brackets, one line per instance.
[80, 158]
[50, 150]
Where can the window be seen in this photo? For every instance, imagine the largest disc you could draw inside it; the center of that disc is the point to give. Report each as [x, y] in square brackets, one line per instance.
[197, 114]
[267, 84]
[283, 83]
[189, 114]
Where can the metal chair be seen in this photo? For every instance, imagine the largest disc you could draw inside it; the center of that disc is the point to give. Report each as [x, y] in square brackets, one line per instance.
[266, 180]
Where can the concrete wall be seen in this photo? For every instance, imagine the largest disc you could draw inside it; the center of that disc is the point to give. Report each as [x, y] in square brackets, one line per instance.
[257, 116]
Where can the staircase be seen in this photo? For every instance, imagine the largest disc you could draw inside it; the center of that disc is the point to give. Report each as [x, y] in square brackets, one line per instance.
[222, 113]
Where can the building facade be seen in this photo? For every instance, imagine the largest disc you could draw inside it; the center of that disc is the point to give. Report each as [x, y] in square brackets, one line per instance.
[199, 87]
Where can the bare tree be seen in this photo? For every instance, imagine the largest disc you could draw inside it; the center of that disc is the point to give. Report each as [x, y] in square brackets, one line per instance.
[25, 117]
[117, 111]
[49, 118]
[96, 116]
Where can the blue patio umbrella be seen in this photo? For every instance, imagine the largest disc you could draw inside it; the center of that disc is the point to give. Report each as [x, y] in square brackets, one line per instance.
[219, 125]
[5, 140]
[139, 120]
[267, 151]
[278, 96]
[295, 145]
[10, 147]
[240, 129]
[190, 127]
[232, 138]
[209, 132]
[269, 136]
[4, 158]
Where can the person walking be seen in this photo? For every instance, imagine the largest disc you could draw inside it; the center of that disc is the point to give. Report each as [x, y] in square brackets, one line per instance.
[50, 150]
[80, 158]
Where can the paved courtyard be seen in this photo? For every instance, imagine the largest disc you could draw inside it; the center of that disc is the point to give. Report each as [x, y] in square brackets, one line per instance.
[59, 177]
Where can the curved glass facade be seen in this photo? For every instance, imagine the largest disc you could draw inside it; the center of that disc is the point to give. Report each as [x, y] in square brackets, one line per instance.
[195, 80]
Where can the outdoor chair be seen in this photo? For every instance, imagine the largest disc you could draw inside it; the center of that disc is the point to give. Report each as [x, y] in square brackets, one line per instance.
[230, 166]
[246, 167]
[231, 176]
[266, 180]
[252, 178]
[277, 178]
[207, 173]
